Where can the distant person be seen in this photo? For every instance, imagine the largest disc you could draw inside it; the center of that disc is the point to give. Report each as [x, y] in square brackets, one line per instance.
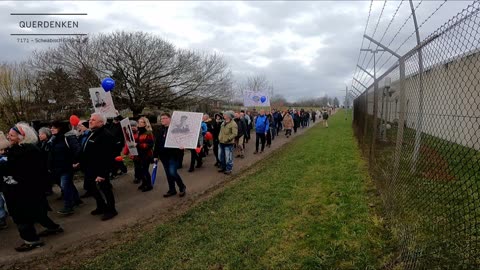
[287, 124]
[325, 118]
[261, 129]
[242, 130]
[217, 124]
[144, 143]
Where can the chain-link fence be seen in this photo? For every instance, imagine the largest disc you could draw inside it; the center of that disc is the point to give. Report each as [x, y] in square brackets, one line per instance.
[420, 130]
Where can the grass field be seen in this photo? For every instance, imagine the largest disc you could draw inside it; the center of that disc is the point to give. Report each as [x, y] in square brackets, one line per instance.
[310, 206]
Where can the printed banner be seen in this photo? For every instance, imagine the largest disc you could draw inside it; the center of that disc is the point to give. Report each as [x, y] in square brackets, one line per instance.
[102, 102]
[255, 99]
[184, 130]
[128, 135]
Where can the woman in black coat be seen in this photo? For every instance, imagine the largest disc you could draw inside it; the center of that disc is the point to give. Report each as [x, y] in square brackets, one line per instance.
[24, 191]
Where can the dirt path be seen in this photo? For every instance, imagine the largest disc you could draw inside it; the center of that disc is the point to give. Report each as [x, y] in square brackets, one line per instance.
[86, 234]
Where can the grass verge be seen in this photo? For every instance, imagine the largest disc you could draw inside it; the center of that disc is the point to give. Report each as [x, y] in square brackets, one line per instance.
[312, 206]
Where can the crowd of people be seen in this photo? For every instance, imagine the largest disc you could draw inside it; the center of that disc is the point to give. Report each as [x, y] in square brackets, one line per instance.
[32, 162]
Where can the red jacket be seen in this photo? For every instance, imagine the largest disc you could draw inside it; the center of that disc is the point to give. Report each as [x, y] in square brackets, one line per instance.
[145, 142]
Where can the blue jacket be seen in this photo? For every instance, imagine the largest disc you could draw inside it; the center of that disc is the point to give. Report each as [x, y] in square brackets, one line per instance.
[261, 124]
[204, 128]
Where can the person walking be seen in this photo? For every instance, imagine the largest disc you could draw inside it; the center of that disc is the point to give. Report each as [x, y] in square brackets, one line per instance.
[217, 124]
[325, 118]
[270, 132]
[137, 166]
[288, 124]
[228, 132]
[4, 144]
[64, 153]
[248, 120]
[97, 161]
[44, 135]
[24, 191]
[296, 121]
[261, 129]
[144, 141]
[169, 158]
[196, 157]
[83, 134]
[241, 133]
[115, 129]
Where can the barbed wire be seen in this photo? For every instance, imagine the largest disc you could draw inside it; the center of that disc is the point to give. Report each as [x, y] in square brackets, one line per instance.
[368, 79]
[363, 40]
[374, 31]
[411, 35]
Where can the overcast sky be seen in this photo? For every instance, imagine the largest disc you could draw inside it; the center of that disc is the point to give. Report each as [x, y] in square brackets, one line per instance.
[306, 49]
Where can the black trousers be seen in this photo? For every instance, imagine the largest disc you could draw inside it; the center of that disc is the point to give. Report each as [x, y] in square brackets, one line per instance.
[106, 204]
[260, 137]
[269, 138]
[194, 157]
[27, 219]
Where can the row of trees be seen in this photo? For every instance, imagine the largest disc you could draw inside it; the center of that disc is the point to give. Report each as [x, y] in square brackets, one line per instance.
[149, 72]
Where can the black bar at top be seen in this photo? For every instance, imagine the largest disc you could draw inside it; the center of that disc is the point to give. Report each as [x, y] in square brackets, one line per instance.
[46, 14]
[48, 34]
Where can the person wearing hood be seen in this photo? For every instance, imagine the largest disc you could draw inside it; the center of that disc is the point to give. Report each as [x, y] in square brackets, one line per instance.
[228, 132]
[24, 190]
[261, 128]
[64, 154]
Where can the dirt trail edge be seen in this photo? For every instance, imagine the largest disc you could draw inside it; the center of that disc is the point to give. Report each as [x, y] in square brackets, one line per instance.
[86, 236]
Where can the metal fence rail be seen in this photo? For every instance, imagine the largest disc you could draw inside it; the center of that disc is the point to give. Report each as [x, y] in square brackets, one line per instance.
[420, 131]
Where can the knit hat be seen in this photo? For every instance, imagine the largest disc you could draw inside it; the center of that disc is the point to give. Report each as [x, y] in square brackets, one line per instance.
[85, 124]
[133, 123]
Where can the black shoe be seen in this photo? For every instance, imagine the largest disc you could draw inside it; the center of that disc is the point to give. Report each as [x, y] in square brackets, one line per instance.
[147, 188]
[136, 181]
[256, 152]
[141, 187]
[221, 170]
[216, 164]
[228, 172]
[191, 170]
[199, 165]
[79, 203]
[182, 192]
[169, 194]
[86, 195]
[27, 247]
[97, 212]
[109, 215]
[49, 232]
[65, 211]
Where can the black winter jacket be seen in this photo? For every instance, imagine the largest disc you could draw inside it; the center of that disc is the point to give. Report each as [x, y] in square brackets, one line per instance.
[98, 153]
[65, 151]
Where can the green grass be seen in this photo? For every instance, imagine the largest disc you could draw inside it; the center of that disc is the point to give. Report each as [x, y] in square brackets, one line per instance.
[310, 206]
[433, 211]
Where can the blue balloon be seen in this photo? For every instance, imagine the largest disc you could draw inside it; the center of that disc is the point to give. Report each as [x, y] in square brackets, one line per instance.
[263, 99]
[108, 84]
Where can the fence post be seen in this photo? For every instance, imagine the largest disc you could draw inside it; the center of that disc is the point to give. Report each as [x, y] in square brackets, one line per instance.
[401, 118]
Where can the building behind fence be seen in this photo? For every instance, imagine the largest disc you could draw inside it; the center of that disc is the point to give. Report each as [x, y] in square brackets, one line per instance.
[420, 131]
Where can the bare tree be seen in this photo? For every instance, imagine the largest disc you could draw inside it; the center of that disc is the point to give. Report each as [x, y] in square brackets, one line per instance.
[16, 93]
